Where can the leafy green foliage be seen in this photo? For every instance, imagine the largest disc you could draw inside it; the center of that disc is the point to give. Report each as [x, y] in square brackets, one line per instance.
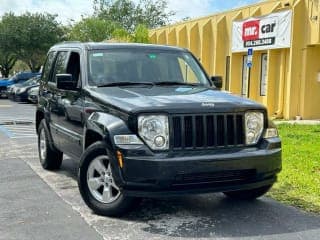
[92, 29]
[140, 35]
[120, 34]
[8, 44]
[28, 37]
[128, 14]
[299, 182]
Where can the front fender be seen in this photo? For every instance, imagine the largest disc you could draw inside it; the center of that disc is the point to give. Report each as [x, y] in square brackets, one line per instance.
[107, 126]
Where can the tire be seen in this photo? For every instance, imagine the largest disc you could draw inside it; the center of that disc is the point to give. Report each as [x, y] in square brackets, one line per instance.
[249, 194]
[50, 158]
[103, 196]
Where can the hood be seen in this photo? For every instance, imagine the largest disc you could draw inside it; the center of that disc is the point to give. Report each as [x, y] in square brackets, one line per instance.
[34, 90]
[5, 83]
[171, 99]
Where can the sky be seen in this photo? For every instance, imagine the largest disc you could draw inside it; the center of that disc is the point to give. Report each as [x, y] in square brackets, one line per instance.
[74, 9]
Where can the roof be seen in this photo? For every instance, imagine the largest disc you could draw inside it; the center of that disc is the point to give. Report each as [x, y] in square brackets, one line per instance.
[102, 45]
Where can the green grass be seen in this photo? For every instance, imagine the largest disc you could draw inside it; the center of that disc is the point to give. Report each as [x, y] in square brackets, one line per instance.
[299, 181]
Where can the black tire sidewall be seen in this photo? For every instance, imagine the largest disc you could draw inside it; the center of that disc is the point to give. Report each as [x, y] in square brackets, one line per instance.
[43, 162]
[53, 157]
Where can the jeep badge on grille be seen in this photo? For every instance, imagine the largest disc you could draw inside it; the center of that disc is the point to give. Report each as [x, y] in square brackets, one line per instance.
[207, 104]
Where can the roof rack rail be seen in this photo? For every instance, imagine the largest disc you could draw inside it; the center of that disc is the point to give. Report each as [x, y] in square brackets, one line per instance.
[66, 42]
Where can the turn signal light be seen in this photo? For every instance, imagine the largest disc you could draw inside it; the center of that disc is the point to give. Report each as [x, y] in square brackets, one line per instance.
[120, 159]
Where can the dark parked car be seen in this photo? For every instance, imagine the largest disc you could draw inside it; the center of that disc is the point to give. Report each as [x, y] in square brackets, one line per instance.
[16, 79]
[20, 91]
[147, 121]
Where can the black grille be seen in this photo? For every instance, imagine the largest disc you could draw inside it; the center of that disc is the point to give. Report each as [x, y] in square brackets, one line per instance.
[207, 131]
[215, 177]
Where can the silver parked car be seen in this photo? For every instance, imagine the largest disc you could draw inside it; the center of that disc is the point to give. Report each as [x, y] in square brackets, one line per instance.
[33, 94]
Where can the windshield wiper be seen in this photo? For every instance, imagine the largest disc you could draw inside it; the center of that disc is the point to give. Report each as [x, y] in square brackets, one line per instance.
[124, 84]
[168, 83]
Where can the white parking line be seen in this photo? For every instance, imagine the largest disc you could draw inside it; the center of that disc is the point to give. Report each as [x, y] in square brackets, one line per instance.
[19, 131]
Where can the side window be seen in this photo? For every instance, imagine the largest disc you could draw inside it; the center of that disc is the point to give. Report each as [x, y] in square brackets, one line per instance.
[73, 68]
[61, 64]
[48, 66]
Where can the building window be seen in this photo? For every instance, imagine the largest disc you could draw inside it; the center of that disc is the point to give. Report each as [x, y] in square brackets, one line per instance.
[264, 74]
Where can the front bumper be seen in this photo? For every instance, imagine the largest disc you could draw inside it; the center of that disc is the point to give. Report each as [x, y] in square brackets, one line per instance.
[21, 97]
[198, 171]
[33, 98]
[3, 93]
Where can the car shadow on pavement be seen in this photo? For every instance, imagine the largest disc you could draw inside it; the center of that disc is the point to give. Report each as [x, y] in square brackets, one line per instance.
[214, 215]
[209, 215]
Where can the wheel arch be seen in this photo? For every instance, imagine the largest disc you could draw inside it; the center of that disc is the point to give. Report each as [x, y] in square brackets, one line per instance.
[103, 127]
[91, 136]
[39, 117]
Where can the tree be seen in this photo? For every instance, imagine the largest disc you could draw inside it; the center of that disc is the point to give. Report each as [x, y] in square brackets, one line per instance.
[140, 35]
[28, 37]
[7, 46]
[92, 29]
[38, 33]
[19, 66]
[7, 62]
[128, 14]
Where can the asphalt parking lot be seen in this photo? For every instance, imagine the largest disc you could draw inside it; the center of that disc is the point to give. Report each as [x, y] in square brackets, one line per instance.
[39, 204]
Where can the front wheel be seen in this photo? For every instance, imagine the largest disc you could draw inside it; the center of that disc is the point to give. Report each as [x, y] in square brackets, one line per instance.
[96, 183]
[249, 194]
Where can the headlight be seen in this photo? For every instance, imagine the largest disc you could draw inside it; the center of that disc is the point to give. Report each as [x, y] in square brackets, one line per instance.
[154, 130]
[21, 90]
[254, 127]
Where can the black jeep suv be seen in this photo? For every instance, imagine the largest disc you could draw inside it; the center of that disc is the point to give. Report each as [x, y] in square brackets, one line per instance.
[147, 121]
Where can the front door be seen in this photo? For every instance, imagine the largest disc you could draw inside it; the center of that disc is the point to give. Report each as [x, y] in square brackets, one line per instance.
[68, 115]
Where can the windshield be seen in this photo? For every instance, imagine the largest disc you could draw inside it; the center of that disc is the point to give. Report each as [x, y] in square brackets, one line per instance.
[109, 67]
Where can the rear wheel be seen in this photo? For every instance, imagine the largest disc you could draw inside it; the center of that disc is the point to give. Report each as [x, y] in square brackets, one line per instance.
[50, 158]
[249, 194]
[96, 183]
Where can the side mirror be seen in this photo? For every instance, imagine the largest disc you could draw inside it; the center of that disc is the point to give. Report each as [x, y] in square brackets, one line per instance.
[65, 82]
[217, 81]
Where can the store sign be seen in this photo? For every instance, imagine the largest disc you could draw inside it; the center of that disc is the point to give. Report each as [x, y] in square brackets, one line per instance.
[267, 32]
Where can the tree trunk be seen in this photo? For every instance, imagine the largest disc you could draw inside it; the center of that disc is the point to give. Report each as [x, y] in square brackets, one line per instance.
[34, 67]
[7, 64]
[4, 72]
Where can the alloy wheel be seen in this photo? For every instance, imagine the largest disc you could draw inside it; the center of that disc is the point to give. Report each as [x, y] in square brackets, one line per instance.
[100, 180]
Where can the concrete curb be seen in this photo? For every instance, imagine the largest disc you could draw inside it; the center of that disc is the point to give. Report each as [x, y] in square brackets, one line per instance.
[298, 122]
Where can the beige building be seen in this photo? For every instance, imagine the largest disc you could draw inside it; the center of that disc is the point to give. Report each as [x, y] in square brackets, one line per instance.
[284, 36]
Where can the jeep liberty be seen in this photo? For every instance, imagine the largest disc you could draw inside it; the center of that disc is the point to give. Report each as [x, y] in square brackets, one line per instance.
[147, 121]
